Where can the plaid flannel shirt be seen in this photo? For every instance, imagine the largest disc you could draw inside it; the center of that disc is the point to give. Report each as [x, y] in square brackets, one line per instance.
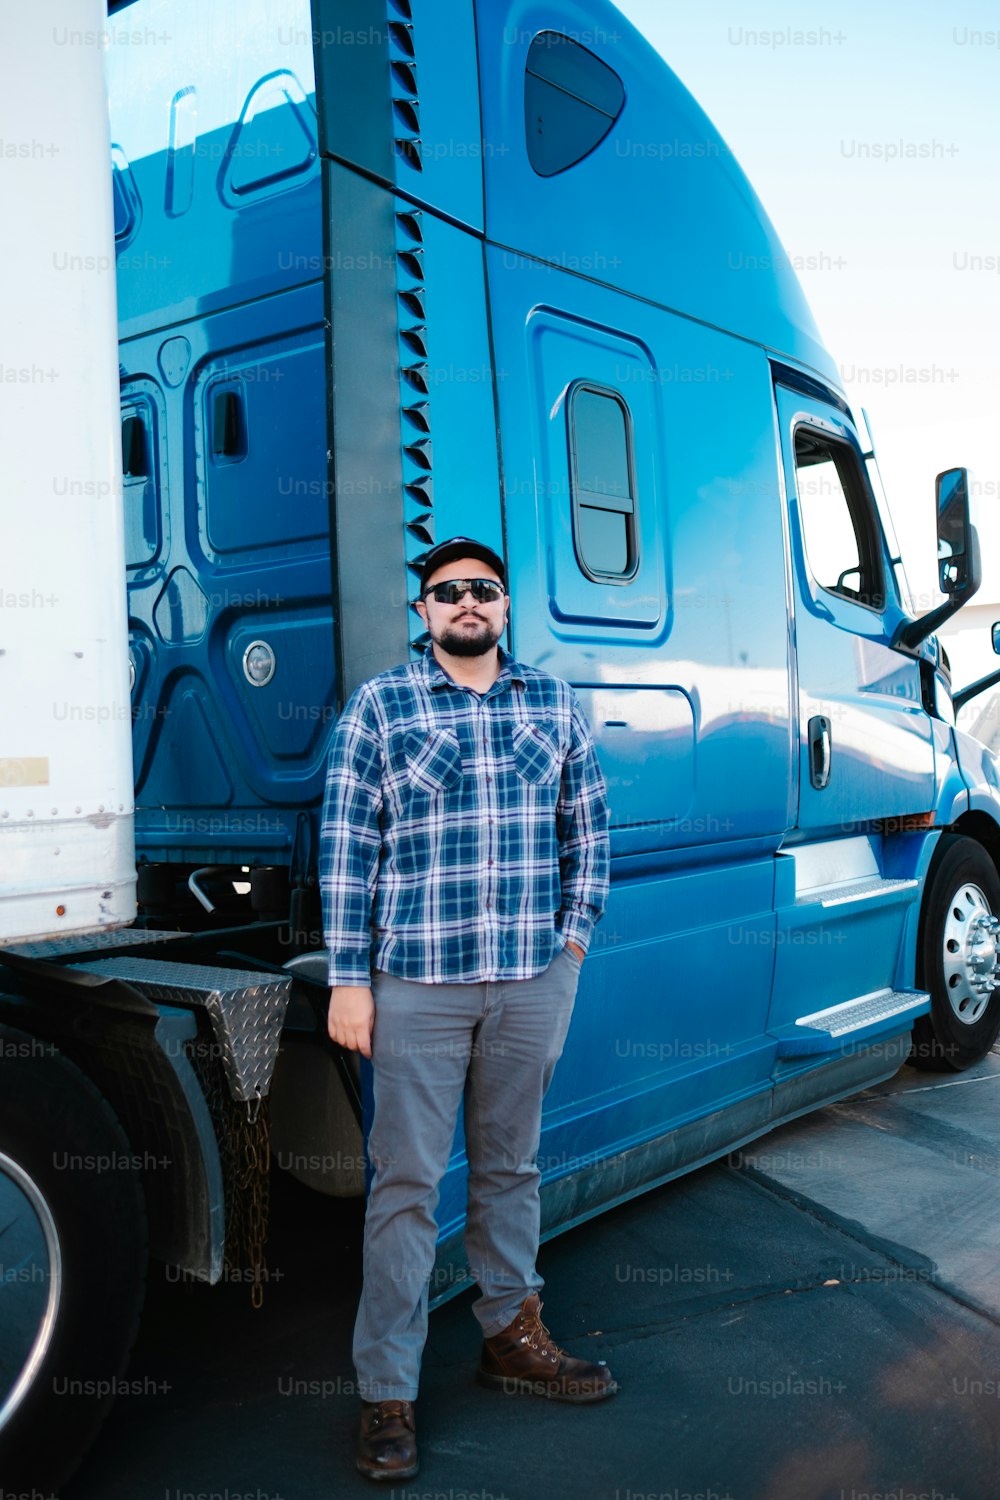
[464, 835]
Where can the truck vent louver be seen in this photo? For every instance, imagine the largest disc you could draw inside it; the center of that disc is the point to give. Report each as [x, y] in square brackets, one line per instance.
[413, 224]
[406, 114]
[405, 102]
[420, 454]
[416, 375]
[413, 301]
[405, 77]
[422, 527]
[419, 415]
[412, 261]
[421, 490]
[409, 150]
[411, 278]
[415, 339]
[401, 34]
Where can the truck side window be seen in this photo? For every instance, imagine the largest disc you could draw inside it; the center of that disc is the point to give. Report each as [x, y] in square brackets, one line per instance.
[571, 101]
[602, 477]
[838, 526]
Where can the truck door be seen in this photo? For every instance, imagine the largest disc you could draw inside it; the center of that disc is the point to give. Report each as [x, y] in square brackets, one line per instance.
[865, 750]
[646, 558]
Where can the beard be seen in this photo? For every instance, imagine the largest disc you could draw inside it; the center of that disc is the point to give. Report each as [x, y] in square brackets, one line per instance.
[466, 642]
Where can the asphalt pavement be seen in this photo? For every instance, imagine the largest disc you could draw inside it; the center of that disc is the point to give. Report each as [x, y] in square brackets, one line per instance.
[815, 1318]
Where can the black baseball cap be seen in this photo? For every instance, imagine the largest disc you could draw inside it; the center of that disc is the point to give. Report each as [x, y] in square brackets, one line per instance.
[460, 546]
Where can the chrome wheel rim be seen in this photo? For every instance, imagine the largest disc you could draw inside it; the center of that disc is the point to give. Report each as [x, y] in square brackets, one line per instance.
[969, 954]
[46, 1238]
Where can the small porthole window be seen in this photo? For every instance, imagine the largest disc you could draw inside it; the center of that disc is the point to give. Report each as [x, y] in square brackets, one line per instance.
[228, 422]
[135, 447]
[602, 470]
[139, 476]
[571, 101]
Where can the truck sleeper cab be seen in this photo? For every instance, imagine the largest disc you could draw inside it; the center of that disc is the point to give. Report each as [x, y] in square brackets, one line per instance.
[393, 271]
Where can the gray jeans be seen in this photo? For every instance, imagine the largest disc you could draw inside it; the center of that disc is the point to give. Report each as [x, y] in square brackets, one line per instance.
[495, 1045]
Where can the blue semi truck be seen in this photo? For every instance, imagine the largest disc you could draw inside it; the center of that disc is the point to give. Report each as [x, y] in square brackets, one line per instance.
[387, 271]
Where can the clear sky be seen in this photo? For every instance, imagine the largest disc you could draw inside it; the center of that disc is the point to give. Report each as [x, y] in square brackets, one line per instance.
[798, 91]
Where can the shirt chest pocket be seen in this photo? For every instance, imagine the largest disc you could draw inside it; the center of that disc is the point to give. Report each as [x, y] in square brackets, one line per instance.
[433, 760]
[536, 752]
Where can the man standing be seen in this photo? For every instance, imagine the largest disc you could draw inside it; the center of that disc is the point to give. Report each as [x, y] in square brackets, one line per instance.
[463, 864]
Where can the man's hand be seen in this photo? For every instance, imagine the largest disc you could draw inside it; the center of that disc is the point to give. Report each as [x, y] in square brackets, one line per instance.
[351, 1017]
[576, 949]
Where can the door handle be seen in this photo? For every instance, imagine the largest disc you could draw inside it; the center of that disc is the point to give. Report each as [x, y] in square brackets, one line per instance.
[820, 751]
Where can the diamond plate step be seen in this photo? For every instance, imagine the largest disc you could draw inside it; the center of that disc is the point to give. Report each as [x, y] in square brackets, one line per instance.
[247, 1010]
[87, 942]
[855, 1020]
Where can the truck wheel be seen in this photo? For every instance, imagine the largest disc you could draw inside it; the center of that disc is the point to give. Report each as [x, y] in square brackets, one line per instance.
[956, 955]
[72, 1260]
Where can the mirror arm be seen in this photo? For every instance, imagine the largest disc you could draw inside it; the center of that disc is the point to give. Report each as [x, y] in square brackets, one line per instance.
[912, 632]
[959, 700]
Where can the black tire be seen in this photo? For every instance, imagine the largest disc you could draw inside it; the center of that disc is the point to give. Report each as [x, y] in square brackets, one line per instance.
[50, 1112]
[962, 1026]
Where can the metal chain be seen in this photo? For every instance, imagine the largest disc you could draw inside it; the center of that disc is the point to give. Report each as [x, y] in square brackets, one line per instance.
[250, 1135]
[244, 1136]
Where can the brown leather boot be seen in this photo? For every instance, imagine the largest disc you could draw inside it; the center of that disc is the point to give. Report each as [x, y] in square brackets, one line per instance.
[387, 1444]
[523, 1360]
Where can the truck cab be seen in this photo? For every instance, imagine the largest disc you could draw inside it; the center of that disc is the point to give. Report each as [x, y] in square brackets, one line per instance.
[388, 271]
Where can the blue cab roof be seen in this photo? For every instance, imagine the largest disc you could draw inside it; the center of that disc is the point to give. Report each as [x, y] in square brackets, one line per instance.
[661, 208]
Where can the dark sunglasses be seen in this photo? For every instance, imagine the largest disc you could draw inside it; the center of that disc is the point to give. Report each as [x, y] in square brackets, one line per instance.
[483, 590]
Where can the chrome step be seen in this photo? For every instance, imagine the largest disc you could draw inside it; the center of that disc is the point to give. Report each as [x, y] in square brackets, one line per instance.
[855, 1020]
[867, 889]
[246, 1009]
